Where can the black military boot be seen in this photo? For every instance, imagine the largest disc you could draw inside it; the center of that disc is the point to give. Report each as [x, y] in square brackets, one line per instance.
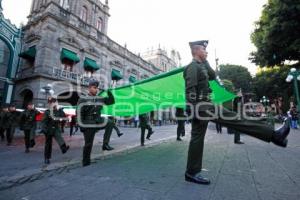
[196, 179]
[120, 134]
[32, 143]
[86, 163]
[280, 135]
[64, 148]
[106, 147]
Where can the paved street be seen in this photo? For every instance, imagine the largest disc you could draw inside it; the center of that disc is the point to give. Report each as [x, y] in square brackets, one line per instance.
[23, 165]
[253, 171]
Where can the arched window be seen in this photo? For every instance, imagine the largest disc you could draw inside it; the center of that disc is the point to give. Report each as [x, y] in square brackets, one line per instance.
[84, 14]
[99, 24]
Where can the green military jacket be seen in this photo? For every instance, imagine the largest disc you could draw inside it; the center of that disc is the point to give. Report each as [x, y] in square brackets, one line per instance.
[89, 109]
[11, 119]
[27, 119]
[197, 76]
[51, 121]
[2, 114]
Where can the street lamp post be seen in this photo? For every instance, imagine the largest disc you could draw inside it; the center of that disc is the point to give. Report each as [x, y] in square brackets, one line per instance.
[295, 75]
[47, 90]
[265, 101]
[269, 115]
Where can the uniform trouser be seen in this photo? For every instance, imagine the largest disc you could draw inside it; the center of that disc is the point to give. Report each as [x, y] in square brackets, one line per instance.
[27, 138]
[59, 138]
[89, 135]
[71, 130]
[32, 133]
[237, 136]
[108, 130]
[257, 129]
[48, 143]
[116, 129]
[219, 128]
[10, 134]
[143, 130]
[48, 146]
[2, 133]
[180, 128]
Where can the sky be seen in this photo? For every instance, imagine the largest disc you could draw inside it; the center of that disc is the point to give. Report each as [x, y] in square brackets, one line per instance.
[172, 24]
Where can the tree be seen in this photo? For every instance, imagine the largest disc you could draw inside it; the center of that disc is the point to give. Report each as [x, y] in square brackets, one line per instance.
[276, 34]
[238, 75]
[270, 82]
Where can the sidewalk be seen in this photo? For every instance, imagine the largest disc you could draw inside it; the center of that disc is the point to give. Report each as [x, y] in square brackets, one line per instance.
[253, 171]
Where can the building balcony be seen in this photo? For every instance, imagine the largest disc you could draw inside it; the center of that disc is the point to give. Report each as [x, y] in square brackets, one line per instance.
[55, 73]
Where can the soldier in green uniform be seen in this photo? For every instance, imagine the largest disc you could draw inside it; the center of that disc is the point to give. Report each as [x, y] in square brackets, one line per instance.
[144, 124]
[180, 123]
[51, 128]
[2, 121]
[11, 120]
[3, 112]
[115, 127]
[90, 119]
[28, 123]
[197, 75]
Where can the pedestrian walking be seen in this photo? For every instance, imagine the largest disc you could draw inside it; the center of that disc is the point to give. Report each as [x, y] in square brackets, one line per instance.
[145, 125]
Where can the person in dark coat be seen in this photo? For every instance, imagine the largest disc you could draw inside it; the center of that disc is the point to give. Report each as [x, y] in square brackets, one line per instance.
[90, 119]
[28, 124]
[11, 121]
[144, 124]
[51, 128]
[3, 112]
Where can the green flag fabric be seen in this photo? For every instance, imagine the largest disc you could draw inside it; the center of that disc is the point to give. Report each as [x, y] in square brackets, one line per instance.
[157, 93]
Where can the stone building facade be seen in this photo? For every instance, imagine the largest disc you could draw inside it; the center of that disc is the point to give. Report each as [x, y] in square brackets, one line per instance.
[162, 59]
[10, 44]
[64, 44]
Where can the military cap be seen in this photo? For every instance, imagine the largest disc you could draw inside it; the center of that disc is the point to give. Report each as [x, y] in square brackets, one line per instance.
[93, 82]
[51, 100]
[203, 43]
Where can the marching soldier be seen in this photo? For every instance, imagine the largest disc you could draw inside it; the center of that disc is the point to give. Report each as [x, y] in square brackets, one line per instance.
[11, 120]
[196, 76]
[144, 124]
[28, 124]
[3, 112]
[90, 120]
[51, 128]
[180, 123]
